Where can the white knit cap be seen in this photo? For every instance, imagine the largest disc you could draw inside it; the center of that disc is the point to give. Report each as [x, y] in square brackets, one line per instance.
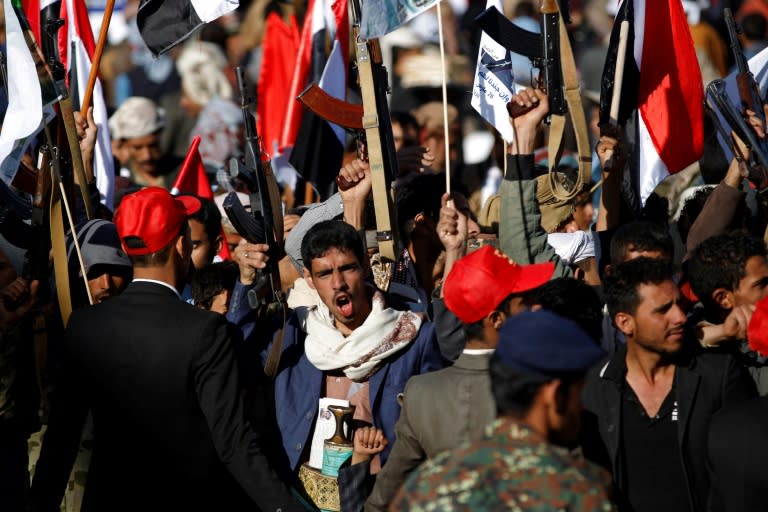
[136, 117]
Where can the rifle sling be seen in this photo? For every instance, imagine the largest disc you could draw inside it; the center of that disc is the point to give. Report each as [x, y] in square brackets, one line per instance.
[382, 200]
[272, 364]
[58, 241]
[557, 124]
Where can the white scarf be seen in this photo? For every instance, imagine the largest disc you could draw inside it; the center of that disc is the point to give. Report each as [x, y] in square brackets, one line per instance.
[359, 355]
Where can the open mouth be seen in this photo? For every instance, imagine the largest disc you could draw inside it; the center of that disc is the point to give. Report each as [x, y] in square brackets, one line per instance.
[344, 305]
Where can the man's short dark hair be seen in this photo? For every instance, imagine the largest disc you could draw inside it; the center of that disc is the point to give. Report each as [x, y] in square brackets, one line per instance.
[641, 236]
[211, 280]
[514, 392]
[621, 285]
[720, 262]
[209, 216]
[330, 234]
[158, 258]
[572, 299]
[420, 194]
[753, 26]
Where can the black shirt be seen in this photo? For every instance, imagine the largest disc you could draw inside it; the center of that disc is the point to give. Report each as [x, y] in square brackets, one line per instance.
[654, 478]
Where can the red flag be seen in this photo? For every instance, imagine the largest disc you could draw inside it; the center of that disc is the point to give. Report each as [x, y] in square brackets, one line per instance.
[281, 44]
[192, 178]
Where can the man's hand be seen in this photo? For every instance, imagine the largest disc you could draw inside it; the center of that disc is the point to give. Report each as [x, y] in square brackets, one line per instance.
[414, 160]
[611, 151]
[16, 300]
[737, 322]
[527, 124]
[86, 134]
[369, 441]
[289, 222]
[250, 257]
[452, 227]
[354, 183]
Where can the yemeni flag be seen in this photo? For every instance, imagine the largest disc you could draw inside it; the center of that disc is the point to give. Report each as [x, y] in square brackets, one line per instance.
[662, 81]
[76, 48]
[165, 23]
[327, 20]
[319, 149]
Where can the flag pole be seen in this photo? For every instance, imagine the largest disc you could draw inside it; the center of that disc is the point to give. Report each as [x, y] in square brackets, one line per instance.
[445, 99]
[97, 56]
[618, 79]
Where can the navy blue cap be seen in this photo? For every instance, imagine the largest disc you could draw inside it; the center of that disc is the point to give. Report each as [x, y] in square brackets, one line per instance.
[545, 345]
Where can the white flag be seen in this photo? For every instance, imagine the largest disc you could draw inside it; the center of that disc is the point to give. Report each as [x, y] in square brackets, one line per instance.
[494, 82]
[381, 17]
[25, 103]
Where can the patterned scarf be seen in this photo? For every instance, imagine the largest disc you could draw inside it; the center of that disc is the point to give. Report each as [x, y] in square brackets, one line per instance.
[359, 355]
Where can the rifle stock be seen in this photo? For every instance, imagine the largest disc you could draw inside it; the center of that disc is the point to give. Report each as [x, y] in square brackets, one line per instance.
[342, 113]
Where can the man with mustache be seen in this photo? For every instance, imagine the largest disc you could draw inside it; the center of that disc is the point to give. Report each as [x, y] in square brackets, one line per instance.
[352, 345]
[648, 407]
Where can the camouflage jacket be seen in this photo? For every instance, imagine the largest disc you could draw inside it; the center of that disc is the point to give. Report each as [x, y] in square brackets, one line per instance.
[513, 468]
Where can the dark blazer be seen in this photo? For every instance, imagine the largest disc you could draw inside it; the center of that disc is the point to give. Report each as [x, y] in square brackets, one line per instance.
[169, 427]
[738, 451]
[705, 382]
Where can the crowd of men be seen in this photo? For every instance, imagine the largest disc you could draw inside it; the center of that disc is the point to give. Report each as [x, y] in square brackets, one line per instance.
[524, 351]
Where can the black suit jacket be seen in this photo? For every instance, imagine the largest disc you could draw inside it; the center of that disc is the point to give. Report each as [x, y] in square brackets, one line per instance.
[169, 426]
[738, 451]
[705, 382]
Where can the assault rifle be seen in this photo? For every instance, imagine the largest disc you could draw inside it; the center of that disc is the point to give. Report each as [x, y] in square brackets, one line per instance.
[718, 101]
[551, 53]
[542, 49]
[264, 223]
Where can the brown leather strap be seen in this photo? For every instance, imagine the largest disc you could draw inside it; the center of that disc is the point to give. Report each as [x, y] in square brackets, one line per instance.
[382, 200]
[272, 364]
[578, 119]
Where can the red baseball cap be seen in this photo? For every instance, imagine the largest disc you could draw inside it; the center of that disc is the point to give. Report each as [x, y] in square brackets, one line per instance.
[481, 281]
[149, 219]
[757, 331]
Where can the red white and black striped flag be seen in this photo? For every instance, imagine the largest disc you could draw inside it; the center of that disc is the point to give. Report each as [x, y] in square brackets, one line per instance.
[662, 83]
[165, 23]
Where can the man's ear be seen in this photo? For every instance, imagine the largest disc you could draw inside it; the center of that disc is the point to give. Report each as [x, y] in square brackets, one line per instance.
[625, 323]
[181, 246]
[548, 394]
[496, 319]
[308, 277]
[723, 298]
[218, 244]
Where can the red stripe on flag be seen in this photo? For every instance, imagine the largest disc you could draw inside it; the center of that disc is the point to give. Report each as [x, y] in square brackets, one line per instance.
[671, 92]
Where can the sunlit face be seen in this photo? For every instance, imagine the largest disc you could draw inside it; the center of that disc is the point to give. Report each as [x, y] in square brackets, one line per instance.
[658, 323]
[203, 249]
[754, 285]
[107, 285]
[339, 279]
[144, 153]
